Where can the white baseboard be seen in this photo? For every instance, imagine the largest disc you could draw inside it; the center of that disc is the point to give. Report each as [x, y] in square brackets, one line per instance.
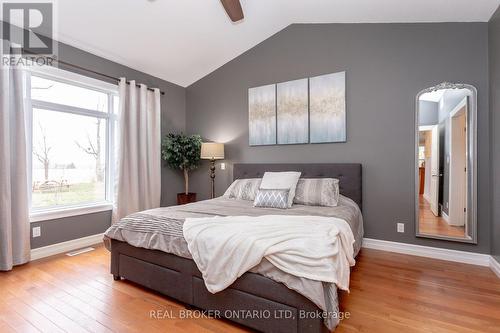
[63, 247]
[445, 217]
[495, 266]
[429, 252]
[369, 243]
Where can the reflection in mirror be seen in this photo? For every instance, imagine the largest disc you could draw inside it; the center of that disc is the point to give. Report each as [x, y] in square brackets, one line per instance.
[445, 163]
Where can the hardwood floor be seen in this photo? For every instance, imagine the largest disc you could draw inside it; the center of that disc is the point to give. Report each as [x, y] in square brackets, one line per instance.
[436, 225]
[389, 293]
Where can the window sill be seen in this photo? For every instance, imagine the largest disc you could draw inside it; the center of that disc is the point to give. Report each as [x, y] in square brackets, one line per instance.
[69, 211]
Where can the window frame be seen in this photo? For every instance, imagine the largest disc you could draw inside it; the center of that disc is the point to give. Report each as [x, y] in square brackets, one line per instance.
[111, 90]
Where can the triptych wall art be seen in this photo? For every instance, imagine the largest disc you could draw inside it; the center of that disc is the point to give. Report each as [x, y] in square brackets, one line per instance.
[309, 110]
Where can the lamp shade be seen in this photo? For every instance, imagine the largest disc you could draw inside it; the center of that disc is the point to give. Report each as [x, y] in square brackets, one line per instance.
[212, 150]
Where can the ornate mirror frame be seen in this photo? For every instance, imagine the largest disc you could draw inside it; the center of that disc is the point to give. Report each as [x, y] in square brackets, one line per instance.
[471, 163]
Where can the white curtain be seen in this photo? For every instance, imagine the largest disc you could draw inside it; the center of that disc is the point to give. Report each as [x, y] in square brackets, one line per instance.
[14, 210]
[139, 152]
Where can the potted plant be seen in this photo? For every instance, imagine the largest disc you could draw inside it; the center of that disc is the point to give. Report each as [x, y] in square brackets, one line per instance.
[182, 152]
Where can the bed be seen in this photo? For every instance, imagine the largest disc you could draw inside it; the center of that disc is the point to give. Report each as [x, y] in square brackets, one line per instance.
[275, 301]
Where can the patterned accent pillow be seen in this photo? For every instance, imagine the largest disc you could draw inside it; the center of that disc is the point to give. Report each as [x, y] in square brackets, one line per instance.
[317, 192]
[244, 189]
[272, 199]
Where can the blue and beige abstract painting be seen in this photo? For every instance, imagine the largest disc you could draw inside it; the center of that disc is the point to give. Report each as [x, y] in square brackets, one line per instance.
[292, 112]
[262, 115]
[327, 108]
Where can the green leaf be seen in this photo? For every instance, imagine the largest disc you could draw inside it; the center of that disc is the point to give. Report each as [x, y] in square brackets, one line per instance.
[181, 151]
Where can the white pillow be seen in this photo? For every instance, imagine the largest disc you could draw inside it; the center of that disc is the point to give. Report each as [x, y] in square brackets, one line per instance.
[281, 181]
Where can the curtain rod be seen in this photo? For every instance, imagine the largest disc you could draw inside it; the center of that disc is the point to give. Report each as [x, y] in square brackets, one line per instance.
[101, 74]
[93, 72]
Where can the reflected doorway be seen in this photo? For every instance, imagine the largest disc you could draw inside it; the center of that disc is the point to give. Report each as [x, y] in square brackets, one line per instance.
[442, 166]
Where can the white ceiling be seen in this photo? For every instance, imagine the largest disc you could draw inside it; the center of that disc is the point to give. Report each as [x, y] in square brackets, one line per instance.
[183, 40]
[433, 96]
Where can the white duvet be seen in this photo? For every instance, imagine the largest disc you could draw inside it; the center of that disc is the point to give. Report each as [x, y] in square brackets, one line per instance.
[312, 247]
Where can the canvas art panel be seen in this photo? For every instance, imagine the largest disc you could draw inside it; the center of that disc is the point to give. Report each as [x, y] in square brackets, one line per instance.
[327, 108]
[292, 112]
[262, 115]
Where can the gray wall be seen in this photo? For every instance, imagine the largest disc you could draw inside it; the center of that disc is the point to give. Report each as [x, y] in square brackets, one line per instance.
[69, 228]
[494, 35]
[172, 119]
[387, 65]
[428, 113]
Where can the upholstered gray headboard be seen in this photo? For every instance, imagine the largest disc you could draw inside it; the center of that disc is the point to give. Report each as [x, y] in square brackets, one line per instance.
[348, 174]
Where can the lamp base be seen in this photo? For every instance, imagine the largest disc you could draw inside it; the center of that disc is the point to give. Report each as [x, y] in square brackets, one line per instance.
[212, 177]
[183, 198]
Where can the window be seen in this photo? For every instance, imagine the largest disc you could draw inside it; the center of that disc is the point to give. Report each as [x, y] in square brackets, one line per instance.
[72, 124]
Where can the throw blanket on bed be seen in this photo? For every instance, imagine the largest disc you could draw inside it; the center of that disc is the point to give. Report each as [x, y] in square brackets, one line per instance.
[312, 247]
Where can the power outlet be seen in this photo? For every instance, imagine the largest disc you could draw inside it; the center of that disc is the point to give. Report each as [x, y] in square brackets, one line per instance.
[37, 232]
[223, 166]
[401, 227]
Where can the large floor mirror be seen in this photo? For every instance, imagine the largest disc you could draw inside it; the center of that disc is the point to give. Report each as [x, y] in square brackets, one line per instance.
[445, 162]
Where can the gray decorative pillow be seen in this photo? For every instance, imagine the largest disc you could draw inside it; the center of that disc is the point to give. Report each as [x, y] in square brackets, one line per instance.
[272, 199]
[244, 189]
[317, 192]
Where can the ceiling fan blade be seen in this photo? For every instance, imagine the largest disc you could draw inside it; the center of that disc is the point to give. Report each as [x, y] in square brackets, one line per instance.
[233, 9]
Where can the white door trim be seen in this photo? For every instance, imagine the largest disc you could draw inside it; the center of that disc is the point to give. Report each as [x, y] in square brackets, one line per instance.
[435, 171]
[459, 106]
[457, 197]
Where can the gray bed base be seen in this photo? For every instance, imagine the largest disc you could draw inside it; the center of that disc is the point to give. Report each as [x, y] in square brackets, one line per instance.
[278, 308]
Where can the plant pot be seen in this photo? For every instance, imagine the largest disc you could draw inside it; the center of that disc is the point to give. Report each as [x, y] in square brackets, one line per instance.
[183, 198]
